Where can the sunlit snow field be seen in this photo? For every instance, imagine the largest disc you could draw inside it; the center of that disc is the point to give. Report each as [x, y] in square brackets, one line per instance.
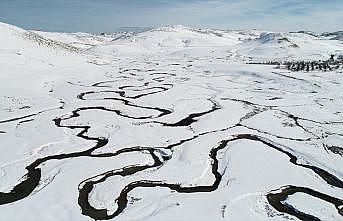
[168, 124]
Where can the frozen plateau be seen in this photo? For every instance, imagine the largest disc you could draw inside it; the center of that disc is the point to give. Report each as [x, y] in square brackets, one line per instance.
[169, 124]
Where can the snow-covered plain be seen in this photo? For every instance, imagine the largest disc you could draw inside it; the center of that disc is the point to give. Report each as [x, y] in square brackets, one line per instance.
[168, 124]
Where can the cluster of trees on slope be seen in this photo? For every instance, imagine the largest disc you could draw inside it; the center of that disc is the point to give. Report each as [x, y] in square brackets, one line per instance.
[325, 65]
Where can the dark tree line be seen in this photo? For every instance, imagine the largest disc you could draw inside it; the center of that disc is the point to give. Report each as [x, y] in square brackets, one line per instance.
[313, 65]
[328, 65]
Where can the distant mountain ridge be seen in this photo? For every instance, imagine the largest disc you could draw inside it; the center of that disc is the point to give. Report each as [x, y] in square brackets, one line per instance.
[244, 45]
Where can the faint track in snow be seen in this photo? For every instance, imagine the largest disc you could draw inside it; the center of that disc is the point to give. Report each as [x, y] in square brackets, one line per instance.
[294, 118]
[32, 115]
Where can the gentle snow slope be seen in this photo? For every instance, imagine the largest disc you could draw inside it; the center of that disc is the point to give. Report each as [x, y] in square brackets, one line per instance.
[170, 124]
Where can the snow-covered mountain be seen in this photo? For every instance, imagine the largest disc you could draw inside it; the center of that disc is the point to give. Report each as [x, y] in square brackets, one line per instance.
[168, 40]
[30, 64]
[169, 124]
[289, 46]
[247, 46]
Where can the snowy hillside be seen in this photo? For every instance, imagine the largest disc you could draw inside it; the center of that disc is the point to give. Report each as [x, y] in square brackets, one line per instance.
[169, 40]
[78, 40]
[288, 46]
[169, 124]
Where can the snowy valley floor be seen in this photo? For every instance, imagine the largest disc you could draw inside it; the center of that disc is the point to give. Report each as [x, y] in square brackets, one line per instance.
[186, 131]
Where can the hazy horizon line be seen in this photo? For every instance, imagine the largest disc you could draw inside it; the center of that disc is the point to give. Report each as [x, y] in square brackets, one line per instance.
[147, 28]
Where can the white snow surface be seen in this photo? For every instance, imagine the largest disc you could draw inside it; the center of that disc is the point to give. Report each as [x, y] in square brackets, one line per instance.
[176, 94]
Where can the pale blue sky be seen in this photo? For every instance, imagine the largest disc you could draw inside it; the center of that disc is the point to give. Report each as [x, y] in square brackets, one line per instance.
[108, 15]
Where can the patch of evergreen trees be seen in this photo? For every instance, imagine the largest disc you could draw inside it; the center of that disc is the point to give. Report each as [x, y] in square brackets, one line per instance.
[307, 66]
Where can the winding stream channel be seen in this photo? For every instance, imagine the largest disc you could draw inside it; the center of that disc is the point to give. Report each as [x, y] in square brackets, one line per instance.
[276, 199]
